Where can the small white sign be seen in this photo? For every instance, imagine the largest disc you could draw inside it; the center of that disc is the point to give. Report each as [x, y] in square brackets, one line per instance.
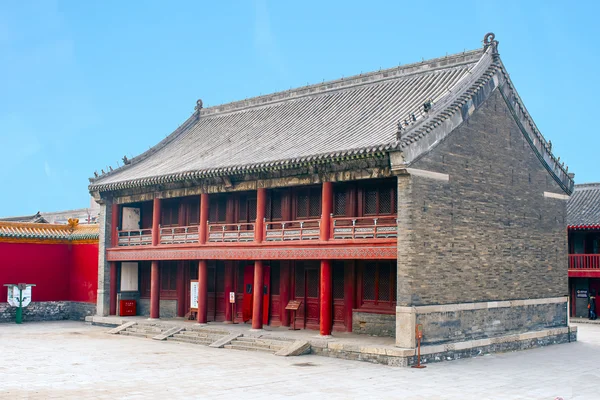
[232, 297]
[129, 276]
[26, 296]
[12, 299]
[13, 296]
[194, 295]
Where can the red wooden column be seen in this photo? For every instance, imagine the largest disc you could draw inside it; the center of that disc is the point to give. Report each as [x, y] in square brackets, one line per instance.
[180, 290]
[202, 228]
[113, 289]
[156, 222]
[229, 268]
[326, 209]
[154, 291]
[326, 283]
[202, 292]
[284, 291]
[261, 206]
[257, 299]
[114, 225]
[349, 292]
[326, 298]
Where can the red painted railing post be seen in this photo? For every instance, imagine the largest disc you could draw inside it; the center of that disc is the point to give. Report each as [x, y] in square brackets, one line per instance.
[203, 223]
[156, 222]
[261, 202]
[326, 209]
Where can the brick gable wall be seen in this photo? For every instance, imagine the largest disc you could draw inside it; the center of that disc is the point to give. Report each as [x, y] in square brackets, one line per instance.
[488, 233]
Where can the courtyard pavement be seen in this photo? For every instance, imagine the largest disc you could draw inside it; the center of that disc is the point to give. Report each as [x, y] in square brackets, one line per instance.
[71, 360]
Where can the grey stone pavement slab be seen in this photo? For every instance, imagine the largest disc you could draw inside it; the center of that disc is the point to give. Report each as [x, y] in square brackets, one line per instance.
[71, 360]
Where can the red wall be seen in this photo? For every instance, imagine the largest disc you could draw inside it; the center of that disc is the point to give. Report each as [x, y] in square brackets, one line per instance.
[83, 276]
[59, 271]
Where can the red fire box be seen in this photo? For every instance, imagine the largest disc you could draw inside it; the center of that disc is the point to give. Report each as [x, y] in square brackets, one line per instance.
[127, 308]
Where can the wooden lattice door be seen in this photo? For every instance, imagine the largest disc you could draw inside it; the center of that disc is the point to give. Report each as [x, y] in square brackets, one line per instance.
[307, 290]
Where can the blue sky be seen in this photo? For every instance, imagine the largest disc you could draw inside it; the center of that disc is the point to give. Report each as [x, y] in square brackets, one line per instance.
[84, 83]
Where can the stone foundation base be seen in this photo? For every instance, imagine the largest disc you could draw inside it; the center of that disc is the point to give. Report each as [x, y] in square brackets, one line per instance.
[49, 311]
[399, 357]
[167, 308]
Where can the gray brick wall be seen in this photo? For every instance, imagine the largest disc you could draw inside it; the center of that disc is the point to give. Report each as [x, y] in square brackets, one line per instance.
[374, 324]
[486, 323]
[488, 233]
[48, 311]
[168, 308]
[79, 310]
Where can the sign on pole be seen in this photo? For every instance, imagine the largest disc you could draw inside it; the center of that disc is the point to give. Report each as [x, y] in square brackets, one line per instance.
[194, 295]
[26, 299]
[13, 296]
[232, 297]
[19, 296]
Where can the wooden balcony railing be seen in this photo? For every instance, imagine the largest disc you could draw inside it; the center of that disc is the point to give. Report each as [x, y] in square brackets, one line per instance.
[136, 237]
[240, 232]
[584, 261]
[179, 235]
[279, 231]
[364, 227]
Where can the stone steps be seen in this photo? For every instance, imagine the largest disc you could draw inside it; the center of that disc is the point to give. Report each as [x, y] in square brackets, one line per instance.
[190, 339]
[258, 344]
[137, 334]
[263, 344]
[145, 331]
[196, 334]
[248, 348]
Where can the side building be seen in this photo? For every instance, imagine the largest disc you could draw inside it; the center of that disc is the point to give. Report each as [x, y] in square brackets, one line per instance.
[61, 260]
[583, 218]
[418, 195]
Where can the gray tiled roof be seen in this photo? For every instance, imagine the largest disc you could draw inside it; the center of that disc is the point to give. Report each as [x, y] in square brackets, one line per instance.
[350, 117]
[37, 218]
[358, 113]
[583, 207]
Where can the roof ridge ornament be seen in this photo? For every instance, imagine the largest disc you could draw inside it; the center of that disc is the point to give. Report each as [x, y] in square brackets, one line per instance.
[198, 107]
[490, 40]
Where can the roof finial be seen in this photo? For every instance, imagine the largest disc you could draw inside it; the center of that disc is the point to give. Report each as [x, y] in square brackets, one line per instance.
[490, 40]
[427, 106]
[126, 160]
[399, 131]
[198, 107]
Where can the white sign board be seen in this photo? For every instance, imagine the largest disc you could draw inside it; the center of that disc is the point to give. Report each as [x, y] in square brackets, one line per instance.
[130, 219]
[129, 276]
[12, 299]
[232, 297]
[194, 295]
[13, 296]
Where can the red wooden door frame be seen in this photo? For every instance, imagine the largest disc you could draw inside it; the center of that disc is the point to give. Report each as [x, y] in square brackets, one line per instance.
[249, 290]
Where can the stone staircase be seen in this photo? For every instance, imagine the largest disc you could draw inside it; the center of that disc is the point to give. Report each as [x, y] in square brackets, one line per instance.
[144, 330]
[214, 337]
[266, 345]
[198, 336]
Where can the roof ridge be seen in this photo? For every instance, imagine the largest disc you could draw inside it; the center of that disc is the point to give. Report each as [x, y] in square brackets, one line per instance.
[430, 65]
[589, 185]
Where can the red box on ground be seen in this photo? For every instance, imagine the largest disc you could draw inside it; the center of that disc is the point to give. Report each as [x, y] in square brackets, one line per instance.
[127, 308]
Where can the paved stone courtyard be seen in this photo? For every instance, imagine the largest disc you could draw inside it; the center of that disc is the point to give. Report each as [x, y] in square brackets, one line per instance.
[77, 361]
